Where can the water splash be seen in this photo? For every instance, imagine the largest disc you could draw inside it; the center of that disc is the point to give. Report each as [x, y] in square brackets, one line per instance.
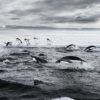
[63, 98]
[86, 66]
[73, 66]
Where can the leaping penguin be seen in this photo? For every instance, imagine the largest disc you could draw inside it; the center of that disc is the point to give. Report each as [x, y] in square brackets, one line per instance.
[8, 44]
[90, 48]
[27, 41]
[48, 41]
[70, 59]
[35, 40]
[19, 41]
[71, 47]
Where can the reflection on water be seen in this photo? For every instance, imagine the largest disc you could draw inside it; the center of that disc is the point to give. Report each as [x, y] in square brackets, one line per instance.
[62, 37]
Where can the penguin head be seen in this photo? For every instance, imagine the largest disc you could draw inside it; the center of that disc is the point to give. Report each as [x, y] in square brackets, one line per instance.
[34, 58]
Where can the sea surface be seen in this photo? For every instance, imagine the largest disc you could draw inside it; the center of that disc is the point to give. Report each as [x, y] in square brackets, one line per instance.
[74, 80]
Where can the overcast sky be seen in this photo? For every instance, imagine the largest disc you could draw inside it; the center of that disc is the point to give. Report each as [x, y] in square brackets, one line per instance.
[55, 13]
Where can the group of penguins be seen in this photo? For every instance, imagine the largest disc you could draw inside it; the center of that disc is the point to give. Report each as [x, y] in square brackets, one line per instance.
[41, 60]
[27, 41]
[70, 47]
[68, 59]
[73, 47]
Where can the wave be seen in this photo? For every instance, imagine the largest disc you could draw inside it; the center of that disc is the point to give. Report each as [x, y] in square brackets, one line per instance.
[20, 91]
[4, 83]
[72, 66]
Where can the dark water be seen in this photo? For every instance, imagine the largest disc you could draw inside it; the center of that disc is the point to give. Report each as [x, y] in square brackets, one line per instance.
[17, 76]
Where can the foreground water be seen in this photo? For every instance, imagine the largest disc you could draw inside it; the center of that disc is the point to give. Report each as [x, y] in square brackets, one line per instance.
[58, 80]
[17, 77]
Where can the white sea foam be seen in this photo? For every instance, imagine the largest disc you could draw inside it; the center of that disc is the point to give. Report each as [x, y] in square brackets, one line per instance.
[63, 98]
[86, 66]
[75, 65]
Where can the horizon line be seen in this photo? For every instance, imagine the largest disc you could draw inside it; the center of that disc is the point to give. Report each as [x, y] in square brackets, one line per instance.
[46, 27]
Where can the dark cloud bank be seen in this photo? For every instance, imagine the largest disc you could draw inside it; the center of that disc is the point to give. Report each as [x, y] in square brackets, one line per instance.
[45, 12]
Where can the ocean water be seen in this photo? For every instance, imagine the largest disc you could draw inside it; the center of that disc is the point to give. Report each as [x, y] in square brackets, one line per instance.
[62, 81]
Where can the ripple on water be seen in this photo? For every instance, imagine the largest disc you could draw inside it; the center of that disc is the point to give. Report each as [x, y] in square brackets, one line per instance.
[62, 79]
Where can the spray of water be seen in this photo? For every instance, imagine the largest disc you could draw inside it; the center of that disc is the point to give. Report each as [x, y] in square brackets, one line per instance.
[86, 66]
[74, 66]
[63, 98]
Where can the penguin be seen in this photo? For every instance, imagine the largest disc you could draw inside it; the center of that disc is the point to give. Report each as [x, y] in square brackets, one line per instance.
[48, 41]
[35, 40]
[70, 59]
[71, 47]
[27, 41]
[38, 60]
[8, 44]
[19, 41]
[90, 48]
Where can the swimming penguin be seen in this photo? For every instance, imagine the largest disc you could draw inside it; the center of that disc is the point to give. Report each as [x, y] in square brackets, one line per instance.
[37, 82]
[38, 60]
[90, 48]
[70, 59]
[71, 47]
[19, 41]
[27, 41]
[8, 44]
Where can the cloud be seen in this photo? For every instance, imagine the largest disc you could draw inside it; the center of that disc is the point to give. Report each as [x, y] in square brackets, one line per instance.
[88, 15]
[71, 19]
[68, 5]
[49, 12]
